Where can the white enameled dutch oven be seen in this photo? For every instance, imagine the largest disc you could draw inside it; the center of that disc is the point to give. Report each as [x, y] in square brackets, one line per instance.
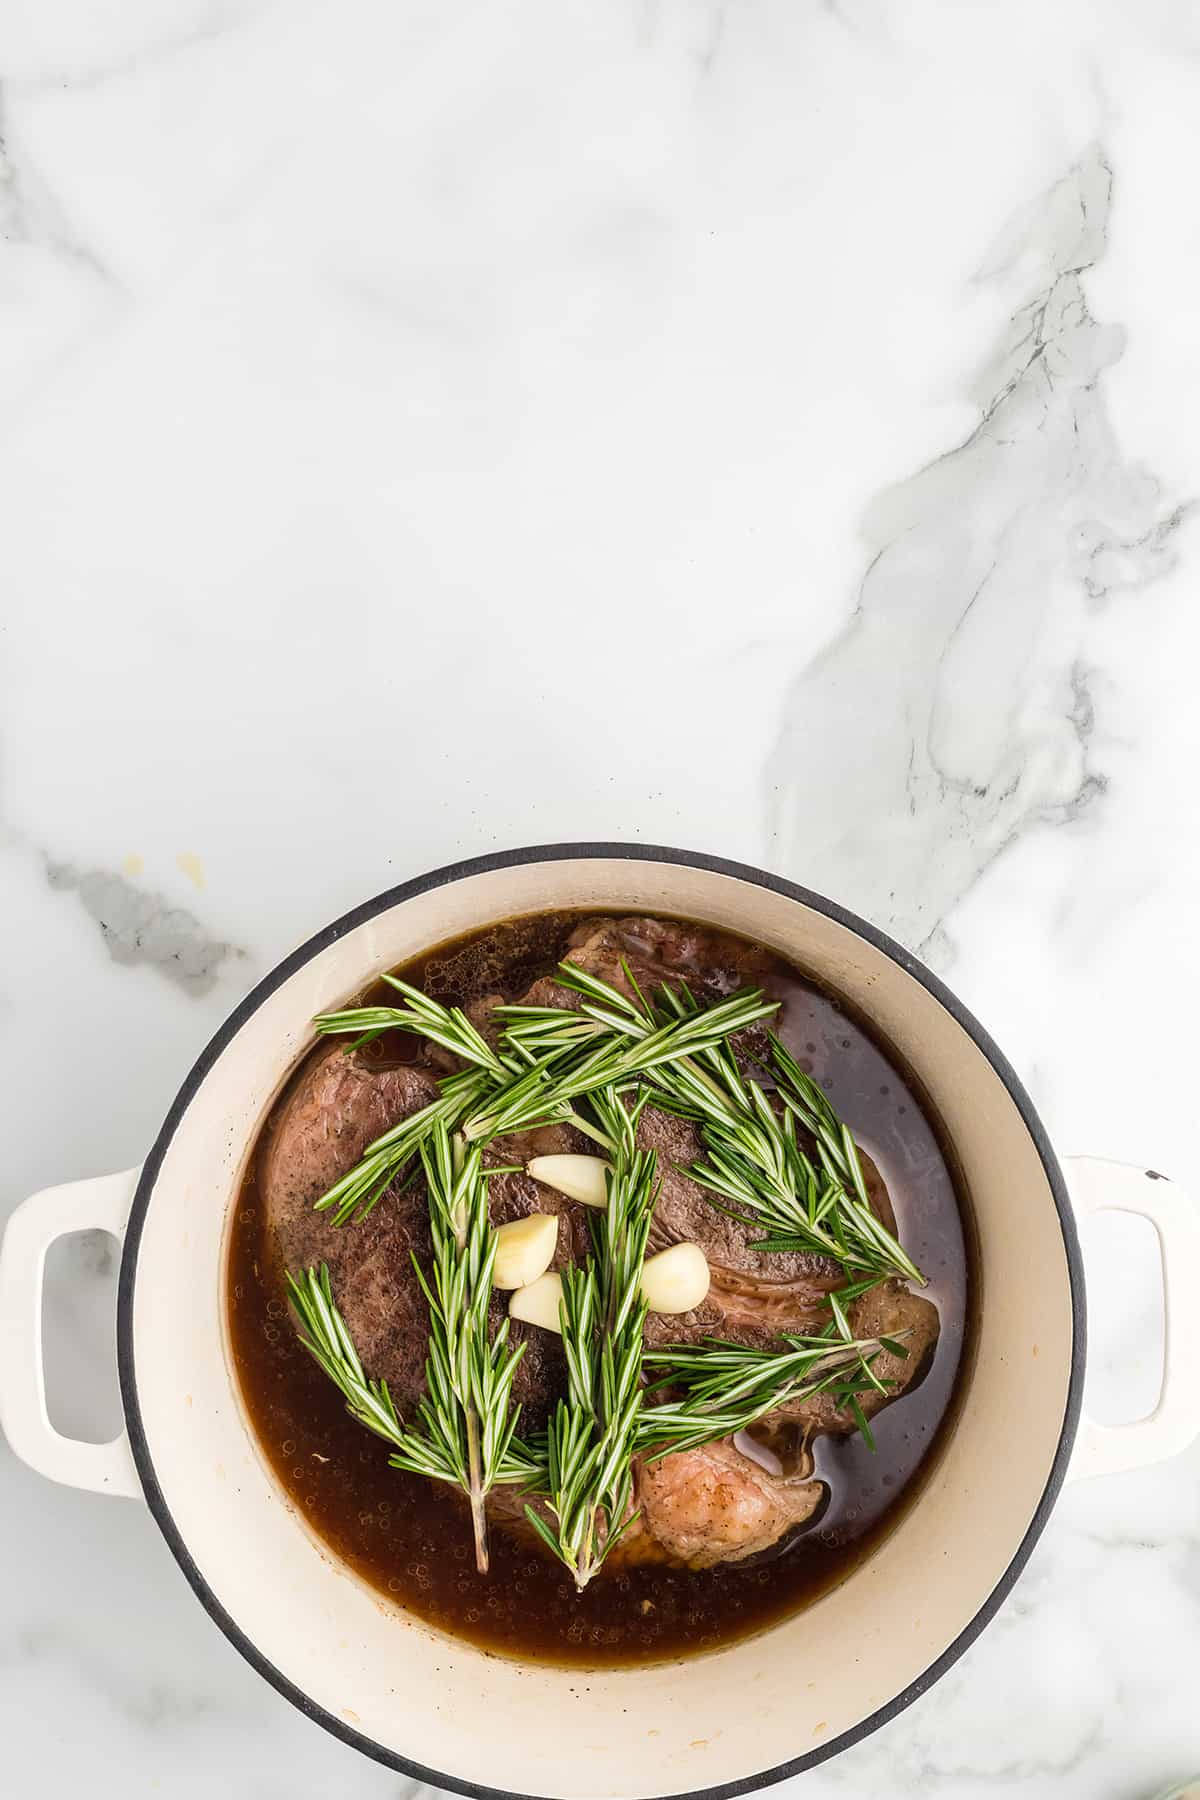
[719, 1724]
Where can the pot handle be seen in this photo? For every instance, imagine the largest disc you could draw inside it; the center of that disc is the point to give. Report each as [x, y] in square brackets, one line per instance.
[1099, 1186]
[100, 1204]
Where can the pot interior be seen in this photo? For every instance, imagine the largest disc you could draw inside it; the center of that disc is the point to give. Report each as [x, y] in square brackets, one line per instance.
[469, 1719]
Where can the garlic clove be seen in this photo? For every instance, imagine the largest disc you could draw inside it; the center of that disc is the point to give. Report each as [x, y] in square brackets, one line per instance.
[675, 1280]
[524, 1250]
[538, 1303]
[578, 1177]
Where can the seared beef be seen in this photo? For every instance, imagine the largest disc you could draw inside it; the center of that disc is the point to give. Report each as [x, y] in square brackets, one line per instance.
[700, 1507]
[336, 1109]
[339, 1105]
[714, 1505]
[655, 950]
[713, 964]
[482, 1014]
[686, 1211]
[890, 1310]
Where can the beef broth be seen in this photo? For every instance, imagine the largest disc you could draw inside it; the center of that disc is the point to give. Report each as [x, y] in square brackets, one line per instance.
[410, 1538]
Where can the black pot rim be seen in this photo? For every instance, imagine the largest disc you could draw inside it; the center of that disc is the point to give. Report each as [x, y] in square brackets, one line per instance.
[581, 852]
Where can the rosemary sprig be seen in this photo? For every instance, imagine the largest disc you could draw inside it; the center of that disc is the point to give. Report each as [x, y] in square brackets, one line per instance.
[467, 1420]
[725, 1387]
[358, 1191]
[623, 1048]
[322, 1331]
[527, 1082]
[754, 1162]
[465, 1427]
[448, 1026]
[389, 1158]
[592, 1437]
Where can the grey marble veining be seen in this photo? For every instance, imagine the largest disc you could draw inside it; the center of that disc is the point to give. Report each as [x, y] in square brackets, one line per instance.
[30, 210]
[138, 925]
[955, 711]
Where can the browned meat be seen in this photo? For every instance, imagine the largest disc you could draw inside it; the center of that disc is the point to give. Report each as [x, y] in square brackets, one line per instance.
[336, 1108]
[712, 963]
[340, 1105]
[685, 1211]
[700, 1507]
[715, 1505]
[755, 1294]
[891, 1310]
[482, 1016]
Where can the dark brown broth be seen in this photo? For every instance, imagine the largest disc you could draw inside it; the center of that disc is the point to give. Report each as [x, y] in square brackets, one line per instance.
[409, 1538]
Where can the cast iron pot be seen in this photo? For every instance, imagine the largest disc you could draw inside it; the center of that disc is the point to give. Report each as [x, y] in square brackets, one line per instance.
[719, 1724]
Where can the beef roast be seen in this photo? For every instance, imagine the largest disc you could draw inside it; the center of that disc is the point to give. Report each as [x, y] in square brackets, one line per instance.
[890, 1310]
[686, 1211]
[699, 1507]
[715, 1505]
[712, 963]
[338, 1105]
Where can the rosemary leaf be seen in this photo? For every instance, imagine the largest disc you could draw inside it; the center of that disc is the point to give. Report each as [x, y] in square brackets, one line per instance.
[725, 1387]
[464, 1430]
[323, 1333]
[611, 1046]
[386, 1160]
[444, 1025]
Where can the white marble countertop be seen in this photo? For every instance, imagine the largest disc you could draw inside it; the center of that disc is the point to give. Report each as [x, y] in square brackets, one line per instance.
[754, 425]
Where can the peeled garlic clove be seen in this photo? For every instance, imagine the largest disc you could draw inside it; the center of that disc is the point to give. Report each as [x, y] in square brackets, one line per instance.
[578, 1177]
[538, 1303]
[675, 1280]
[524, 1250]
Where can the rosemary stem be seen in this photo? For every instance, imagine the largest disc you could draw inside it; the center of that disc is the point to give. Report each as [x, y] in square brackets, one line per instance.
[458, 1214]
[471, 1416]
[475, 1475]
[571, 1117]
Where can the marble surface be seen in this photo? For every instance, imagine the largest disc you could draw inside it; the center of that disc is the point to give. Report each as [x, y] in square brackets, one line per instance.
[756, 425]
